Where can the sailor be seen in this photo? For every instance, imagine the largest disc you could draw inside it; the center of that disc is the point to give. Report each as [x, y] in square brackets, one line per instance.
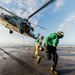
[50, 45]
[38, 48]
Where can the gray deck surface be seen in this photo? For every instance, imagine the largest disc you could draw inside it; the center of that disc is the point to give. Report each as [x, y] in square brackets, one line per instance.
[17, 60]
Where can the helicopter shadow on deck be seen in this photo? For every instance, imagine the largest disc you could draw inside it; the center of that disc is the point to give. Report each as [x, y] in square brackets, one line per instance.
[23, 63]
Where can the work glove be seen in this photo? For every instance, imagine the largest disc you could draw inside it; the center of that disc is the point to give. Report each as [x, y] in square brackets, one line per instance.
[41, 48]
[54, 45]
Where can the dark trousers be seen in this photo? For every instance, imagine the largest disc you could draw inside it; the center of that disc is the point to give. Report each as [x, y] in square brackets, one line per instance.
[51, 54]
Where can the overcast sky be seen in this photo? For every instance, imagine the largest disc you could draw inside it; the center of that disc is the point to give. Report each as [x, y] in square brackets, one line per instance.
[60, 15]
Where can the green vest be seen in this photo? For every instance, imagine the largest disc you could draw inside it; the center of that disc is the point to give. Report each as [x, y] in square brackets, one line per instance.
[52, 40]
[37, 40]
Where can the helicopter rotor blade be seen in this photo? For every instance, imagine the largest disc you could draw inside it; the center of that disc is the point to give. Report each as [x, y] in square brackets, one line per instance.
[39, 26]
[41, 8]
[7, 10]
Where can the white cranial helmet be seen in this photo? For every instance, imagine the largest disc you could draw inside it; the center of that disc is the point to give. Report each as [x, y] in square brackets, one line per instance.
[60, 34]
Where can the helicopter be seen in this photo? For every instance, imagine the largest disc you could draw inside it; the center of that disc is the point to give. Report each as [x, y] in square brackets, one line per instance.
[19, 24]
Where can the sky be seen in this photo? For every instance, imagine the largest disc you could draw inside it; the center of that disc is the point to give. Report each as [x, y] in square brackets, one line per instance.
[57, 16]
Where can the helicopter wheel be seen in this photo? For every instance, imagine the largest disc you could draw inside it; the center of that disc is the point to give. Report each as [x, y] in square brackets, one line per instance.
[10, 31]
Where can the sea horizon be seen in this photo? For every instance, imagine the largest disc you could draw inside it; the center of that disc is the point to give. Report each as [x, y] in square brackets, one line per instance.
[64, 45]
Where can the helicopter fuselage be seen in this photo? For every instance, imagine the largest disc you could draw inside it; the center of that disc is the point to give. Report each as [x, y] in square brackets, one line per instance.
[18, 24]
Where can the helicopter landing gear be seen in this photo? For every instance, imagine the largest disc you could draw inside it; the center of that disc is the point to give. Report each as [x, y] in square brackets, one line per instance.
[21, 31]
[10, 31]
